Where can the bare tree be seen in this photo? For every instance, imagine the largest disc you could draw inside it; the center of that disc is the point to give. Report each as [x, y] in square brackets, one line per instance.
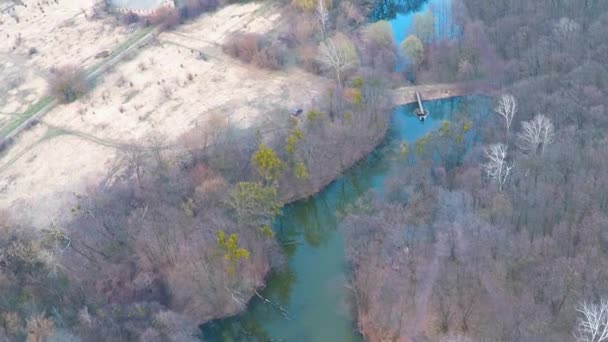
[135, 158]
[497, 168]
[424, 26]
[338, 53]
[39, 328]
[506, 107]
[323, 16]
[536, 134]
[592, 326]
[565, 28]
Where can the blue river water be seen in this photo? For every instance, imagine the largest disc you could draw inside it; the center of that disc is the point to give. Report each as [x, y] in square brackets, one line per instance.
[403, 21]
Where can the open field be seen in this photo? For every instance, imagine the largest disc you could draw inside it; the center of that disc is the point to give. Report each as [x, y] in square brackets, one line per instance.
[165, 89]
[40, 35]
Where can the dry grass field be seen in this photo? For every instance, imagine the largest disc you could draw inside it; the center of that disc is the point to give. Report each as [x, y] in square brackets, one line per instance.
[41, 34]
[164, 89]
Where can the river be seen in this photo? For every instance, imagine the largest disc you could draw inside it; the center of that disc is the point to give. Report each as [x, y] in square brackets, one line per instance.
[312, 288]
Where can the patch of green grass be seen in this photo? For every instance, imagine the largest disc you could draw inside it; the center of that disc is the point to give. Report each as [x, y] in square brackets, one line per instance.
[132, 39]
[124, 45]
[35, 108]
[21, 118]
[53, 132]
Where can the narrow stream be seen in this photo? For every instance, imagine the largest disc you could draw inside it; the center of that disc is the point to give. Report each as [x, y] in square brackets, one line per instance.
[311, 287]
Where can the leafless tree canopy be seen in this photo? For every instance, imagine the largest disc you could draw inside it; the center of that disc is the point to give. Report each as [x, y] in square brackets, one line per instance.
[339, 55]
[497, 167]
[536, 134]
[506, 107]
[323, 16]
[592, 323]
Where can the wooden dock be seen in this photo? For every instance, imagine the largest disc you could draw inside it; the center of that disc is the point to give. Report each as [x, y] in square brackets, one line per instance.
[420, 112]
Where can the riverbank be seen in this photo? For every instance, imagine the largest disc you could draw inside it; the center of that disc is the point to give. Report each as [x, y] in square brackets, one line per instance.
[302, 190]
[390, 237]
[317, 288]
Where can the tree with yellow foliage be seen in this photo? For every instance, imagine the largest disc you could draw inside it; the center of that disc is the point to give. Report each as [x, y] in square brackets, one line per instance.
[267, 164]
[311, 5]
[232, 252]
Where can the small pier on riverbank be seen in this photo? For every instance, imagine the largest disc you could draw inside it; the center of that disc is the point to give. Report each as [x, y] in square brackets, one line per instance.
[420, 112]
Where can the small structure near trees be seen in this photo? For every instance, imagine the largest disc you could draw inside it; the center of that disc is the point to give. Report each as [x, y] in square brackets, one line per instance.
[140, 7]
[420, 112]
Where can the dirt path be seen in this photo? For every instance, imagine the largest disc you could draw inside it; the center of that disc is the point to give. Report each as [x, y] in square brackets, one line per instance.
[407, 94]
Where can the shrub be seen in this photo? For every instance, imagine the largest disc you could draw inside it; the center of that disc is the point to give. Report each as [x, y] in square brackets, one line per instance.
[251, 48]
[129, 18]
[4, 143]
[353, 95]
[300, 171]
[253, 203]
[68, 83]
[349, 16]
[379, 51]
[193, 8]
[304, 29]
[313, 115]
[379, 34]
[243, 46]
[413, 49]
[232, 251]
[267, 163]
[270, 57]
[32, 123]
[165, 18]
[307, 57]
[306, 5]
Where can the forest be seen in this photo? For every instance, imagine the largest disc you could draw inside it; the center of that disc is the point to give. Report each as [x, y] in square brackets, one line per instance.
[493, 228]
[504, 240]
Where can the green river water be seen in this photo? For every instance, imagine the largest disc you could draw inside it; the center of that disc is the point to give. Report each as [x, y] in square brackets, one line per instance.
[311, 287]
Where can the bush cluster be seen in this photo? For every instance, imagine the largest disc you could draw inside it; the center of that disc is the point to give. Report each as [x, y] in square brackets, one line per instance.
[253, 48]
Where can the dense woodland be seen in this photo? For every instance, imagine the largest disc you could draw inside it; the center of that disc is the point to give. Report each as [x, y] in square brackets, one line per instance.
[505, 241]
[492, 228]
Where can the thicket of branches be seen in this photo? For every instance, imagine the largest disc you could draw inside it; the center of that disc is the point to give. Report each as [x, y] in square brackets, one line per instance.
[67, 83]
[507, 241]
[173, 239]
[141, 256]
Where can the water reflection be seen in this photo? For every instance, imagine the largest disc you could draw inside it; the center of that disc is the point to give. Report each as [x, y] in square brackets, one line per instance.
[388, 9]
[311, 287]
